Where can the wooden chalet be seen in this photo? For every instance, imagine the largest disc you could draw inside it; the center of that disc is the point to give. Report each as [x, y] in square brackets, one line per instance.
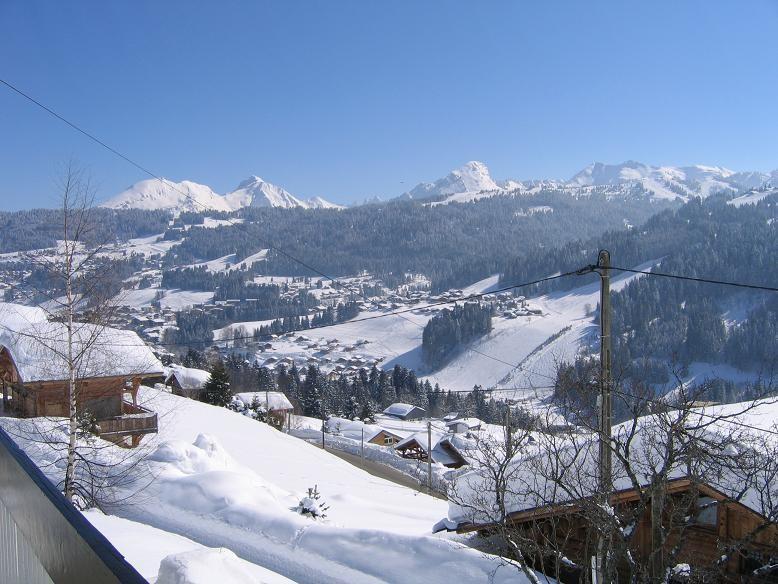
[444, 452]
[186, 381]
[719, 522]
[385, 438]
[111, 363]
[405, 412]
[715, 518]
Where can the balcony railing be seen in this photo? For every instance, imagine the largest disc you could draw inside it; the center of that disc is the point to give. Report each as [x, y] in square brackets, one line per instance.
[134, 420]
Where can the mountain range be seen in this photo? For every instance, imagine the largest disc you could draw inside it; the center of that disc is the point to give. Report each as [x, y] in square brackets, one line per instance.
[191, 196]
[470, 182]
[473, 181]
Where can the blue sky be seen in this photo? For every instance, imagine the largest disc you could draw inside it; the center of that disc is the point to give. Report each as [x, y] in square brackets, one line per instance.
[348, 100]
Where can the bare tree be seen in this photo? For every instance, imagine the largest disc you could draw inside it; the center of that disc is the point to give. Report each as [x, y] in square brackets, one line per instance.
[76, 293]
[675, 464]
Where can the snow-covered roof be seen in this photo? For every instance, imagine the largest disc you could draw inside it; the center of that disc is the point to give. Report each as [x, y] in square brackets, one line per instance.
[38, 348]
[471, 423]
[276, 399]
[188, 377]
[400, 409]
[534, 471]
[442, 446]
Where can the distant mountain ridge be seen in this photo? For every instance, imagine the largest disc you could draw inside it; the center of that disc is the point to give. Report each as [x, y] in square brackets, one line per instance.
[470, 182]
[153, 194]
[473, 181]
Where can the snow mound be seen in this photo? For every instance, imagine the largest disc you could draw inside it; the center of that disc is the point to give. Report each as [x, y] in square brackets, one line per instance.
[205, 566]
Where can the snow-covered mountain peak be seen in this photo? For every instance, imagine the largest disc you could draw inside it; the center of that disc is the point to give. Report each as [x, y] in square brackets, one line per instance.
[472, 177]
[168, 195]
[165, 194]
[255, 192]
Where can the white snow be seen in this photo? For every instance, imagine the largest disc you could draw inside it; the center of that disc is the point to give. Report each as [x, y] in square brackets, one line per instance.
[225, 480]
[146, 547]
[182, 299]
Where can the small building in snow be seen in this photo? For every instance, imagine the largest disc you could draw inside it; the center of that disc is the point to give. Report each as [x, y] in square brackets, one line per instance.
[187, 381]
[403, 411]
[385, 438]
[444, 452]
[462, 425]
[275, 403]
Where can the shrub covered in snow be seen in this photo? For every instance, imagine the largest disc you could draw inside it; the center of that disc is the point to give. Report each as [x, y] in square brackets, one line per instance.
[312, 505]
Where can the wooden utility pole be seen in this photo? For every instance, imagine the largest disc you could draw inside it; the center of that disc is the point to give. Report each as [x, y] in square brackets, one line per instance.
[606, 414]
[429, 456]
[362, 448]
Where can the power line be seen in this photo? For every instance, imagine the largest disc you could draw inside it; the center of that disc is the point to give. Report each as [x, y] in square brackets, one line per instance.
[693, 279]
[159, 178]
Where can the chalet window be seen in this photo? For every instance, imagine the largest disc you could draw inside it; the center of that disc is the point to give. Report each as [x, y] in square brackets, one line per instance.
[388, 440]
[707, 512]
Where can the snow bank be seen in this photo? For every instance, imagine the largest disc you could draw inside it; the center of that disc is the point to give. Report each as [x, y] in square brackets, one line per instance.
[205, 566]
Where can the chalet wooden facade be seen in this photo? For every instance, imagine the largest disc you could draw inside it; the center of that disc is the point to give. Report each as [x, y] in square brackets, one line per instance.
[385, 438]
[415, 447]
[719, 523]
[35, 378]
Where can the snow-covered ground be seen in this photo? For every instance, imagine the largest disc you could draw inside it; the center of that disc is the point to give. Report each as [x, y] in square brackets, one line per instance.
[225, 480]
[182, 299]
[187, 561]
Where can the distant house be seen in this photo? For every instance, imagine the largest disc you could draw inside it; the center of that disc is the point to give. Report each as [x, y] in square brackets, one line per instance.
[403, 411]
[111, 363]
[385, 438]
[444, 452]
[187, 381]
[277, 405]
[462, 425]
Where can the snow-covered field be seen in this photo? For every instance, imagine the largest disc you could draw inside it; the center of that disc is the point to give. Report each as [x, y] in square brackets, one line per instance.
[225, 480]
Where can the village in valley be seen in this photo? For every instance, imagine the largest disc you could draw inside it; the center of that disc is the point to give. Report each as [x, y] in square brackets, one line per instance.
[388, 362]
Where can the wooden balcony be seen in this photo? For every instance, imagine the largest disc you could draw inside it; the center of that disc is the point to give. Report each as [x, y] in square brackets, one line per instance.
[134, 421]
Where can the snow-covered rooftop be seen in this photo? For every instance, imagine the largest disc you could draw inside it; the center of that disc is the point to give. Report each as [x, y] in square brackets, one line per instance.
[399, 409]
[38, 348]
[188, 377]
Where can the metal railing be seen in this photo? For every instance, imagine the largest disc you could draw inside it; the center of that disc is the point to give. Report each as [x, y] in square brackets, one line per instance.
[43, 538]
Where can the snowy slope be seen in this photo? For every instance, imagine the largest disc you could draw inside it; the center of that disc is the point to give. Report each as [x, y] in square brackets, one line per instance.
[224, 480]
[752, 197]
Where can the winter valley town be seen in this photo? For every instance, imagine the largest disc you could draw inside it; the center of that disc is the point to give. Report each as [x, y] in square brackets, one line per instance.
[400, 292]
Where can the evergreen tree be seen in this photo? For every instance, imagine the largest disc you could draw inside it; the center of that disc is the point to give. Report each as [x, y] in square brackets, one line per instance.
[217, 389]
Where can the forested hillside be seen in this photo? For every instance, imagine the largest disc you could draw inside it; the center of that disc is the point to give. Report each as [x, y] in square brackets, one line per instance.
[660, 321]
[451, 244]
[40, 228]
